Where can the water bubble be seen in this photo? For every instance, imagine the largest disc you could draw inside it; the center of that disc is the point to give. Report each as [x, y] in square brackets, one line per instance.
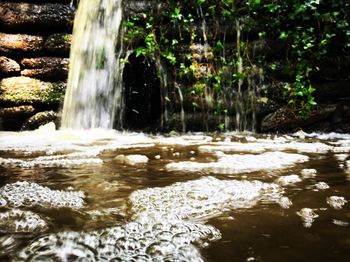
[31, 194]
[161, 248]
[128, 244]
[18, 221]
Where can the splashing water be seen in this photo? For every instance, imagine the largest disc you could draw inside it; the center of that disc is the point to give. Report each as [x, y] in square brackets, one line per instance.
[93, 97]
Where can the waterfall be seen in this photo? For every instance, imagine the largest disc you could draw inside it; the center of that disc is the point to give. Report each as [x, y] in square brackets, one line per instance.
[94, 92]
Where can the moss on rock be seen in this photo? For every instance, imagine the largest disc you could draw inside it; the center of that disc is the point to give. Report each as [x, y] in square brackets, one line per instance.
[26, 90]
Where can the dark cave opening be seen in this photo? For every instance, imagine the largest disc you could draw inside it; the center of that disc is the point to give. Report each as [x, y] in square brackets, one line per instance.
[142, 95]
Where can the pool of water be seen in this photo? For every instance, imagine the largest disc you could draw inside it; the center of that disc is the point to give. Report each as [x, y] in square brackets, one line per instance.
[110, 196]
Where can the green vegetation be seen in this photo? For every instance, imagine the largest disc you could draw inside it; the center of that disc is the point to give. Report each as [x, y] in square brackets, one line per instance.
[212, 63]
[25, 90]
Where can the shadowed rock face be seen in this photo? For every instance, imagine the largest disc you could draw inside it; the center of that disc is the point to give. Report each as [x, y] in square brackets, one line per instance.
[58, 44]
[286, 119]
[25, 17]
[17, 111]
[8, 66]
[47, 68]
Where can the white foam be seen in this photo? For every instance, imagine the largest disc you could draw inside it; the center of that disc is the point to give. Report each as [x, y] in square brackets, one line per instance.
[337, 202]
[340, 223]
[308, 173]
[285, 202]
[263, 145]
[160, 229]
[308, 216]
[132, 159]
[235, 164]
[288, 180]
[43, 162]
[31, 194]
[322, 185]
[203, 198]
[18, 221]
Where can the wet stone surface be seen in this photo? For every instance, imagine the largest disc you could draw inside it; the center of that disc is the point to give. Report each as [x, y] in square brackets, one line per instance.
[107, 196]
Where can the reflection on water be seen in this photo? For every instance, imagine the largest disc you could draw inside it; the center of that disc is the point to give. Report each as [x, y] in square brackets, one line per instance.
[109, 196]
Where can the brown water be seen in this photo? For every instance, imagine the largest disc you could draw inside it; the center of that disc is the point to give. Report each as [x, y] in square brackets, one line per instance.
[249, 223]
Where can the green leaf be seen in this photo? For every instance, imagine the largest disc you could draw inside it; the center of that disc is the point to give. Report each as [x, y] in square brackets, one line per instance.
[139, 51]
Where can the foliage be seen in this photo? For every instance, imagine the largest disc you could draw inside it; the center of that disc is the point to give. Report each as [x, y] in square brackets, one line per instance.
[213, 67]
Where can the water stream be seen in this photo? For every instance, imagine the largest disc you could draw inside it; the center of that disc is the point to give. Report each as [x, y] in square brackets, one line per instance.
[103, 195]
[94, 94]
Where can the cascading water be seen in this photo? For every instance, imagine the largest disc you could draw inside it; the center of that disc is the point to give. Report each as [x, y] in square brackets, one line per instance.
[94, 93]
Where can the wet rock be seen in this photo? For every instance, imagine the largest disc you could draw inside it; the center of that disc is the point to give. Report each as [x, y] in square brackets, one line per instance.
[327, 91]
[308, 216]
[17, 112]
[140, 6]
[39, 119]
[131, 159]
[8, 66]
[25, 90]
[15, 44]
[46, 68]
[24, 17]
[336, 202]
[285, 119]
[58, 44]
[333, 67]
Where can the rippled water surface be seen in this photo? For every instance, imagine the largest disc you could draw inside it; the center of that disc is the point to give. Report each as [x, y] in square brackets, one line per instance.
[109, 196]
